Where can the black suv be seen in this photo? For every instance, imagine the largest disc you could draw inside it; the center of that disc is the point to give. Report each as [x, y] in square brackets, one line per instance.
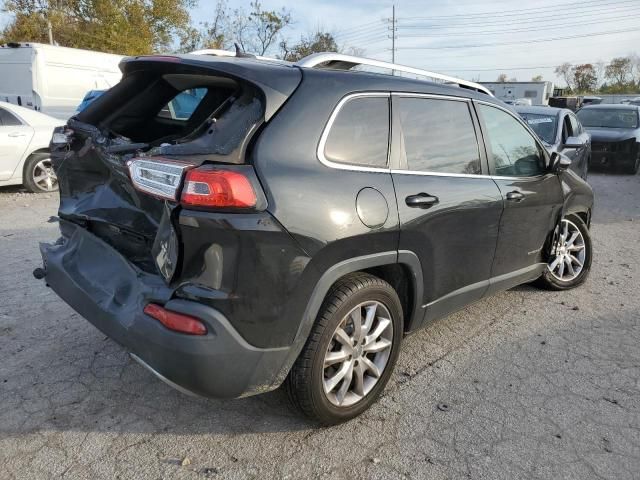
[237, 223]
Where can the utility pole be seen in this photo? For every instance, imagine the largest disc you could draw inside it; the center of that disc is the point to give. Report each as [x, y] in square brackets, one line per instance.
[393, 28]
[50, 31]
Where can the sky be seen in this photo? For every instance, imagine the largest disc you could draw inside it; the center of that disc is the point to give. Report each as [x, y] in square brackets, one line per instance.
[468, 38]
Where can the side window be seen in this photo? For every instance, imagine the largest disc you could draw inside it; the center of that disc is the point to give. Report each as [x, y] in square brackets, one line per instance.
[7, 119]
[182, 106]
[566, 128]
[513, 149]
[359, 134]
[438, 135]
[576, 128]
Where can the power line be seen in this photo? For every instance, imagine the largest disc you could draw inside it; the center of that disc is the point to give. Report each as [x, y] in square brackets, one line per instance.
[488, 22]
[523, 30]
[520, 11]
[542, 40]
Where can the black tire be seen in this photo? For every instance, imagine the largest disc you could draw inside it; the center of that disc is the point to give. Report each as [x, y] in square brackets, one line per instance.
[632, 169]
[305, 381]
[31, 166]
[550, 281]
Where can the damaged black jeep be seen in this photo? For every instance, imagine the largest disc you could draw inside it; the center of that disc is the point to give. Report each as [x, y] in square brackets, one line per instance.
[238, 222]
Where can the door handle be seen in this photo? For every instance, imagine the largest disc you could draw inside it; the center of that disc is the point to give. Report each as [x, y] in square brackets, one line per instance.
[17, 134]
[421, 200]
[515, 196]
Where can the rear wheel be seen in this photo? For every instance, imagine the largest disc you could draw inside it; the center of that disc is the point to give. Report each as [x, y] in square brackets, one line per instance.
[38, 174]
[570, 260]
[351, 351]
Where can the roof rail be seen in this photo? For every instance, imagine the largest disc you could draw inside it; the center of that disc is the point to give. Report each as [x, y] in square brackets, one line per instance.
[226, 53]
[347, 62]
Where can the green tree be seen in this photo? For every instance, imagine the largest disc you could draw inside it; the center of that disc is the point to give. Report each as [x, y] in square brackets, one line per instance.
[129, 27]
[315, 43]
[260, 30]
[537, 78]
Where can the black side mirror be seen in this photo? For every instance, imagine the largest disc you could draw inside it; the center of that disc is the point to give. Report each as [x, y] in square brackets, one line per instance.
[559, 162]
[573, 142]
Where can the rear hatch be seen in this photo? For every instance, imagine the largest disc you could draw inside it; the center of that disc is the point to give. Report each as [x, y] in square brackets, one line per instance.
[122, 162]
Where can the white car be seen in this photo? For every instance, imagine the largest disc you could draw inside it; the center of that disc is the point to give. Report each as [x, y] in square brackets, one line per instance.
[24, 148]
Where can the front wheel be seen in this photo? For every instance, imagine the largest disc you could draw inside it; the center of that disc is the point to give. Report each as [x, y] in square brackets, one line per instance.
[633, 168]
[571, 255]
[351, 351]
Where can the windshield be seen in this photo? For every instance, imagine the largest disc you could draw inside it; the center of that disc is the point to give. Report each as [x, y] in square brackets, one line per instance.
[608, 118]
[543, 125]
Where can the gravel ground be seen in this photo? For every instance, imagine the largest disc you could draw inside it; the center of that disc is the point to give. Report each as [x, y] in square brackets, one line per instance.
[526, 384]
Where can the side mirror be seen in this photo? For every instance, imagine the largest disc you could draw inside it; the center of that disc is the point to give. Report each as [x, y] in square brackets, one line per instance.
[573, 142]
[559, 162]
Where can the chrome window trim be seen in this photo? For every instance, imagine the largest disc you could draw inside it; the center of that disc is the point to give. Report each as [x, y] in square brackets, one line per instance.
[430, 95]
[327, 129]
[440, 174]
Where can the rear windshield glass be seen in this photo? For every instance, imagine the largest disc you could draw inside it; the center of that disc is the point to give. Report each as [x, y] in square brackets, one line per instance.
[608, 118]
[543, 125]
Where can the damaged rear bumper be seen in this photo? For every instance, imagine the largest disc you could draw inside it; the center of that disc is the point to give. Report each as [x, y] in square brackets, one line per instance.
[102, 286]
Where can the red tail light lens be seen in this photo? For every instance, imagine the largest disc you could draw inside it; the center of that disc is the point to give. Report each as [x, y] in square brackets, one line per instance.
[176, 321]
[218, 188]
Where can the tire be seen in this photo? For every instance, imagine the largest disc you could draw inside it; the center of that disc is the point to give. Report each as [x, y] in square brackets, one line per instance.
[551, 279]
[38, 174]
[309, 378]
[633, 168]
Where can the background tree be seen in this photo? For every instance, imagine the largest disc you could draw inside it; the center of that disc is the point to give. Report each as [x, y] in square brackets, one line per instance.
[129, 27]
[261, 29]
[536, 78]
[211, 34]
[619, 71]
[565, 72]
[502, 77]
[585, 78]
[315, 43]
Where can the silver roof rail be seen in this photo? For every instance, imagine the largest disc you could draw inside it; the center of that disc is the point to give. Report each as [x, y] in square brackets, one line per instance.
[226, 53]
[347, 62]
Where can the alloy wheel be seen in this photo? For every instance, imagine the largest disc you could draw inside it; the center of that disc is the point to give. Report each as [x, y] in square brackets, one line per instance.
[358, 353]
[44, 176]
[569, 253]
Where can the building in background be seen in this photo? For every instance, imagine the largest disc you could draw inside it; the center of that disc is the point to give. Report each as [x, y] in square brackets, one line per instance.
[537, 93]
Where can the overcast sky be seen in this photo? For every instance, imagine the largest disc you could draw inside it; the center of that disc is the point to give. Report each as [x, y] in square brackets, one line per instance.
[459, 36]
[470, 38]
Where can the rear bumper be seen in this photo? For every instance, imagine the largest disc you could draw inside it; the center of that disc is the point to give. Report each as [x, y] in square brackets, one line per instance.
[111, 293]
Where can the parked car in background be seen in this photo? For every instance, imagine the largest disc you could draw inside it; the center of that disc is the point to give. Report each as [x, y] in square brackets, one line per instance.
[571, 103]
[282, 231]
[24, 148]
[52, 79]
[560, 131]
[615, 135]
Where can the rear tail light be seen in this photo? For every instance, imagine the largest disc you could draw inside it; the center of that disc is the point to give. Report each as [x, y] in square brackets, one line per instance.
[176, 321]
[157, 176]
[208, 187]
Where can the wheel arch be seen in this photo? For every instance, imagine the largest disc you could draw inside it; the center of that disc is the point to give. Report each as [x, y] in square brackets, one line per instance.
[401, 267]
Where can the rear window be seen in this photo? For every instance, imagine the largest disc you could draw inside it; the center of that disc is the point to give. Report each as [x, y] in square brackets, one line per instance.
[608, 118]
[180, 113]
[359, 134]
[8, 119]
[543, 125]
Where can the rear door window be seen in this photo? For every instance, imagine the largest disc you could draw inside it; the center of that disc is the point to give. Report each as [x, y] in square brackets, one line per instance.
[359, 134]
[438, 135]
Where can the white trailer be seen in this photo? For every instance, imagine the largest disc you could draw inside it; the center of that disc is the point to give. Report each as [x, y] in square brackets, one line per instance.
[537, 92]
[51, 79]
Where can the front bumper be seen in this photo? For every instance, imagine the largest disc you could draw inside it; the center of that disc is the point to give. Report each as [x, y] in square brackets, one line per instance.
[612, 159]
[102, 286]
